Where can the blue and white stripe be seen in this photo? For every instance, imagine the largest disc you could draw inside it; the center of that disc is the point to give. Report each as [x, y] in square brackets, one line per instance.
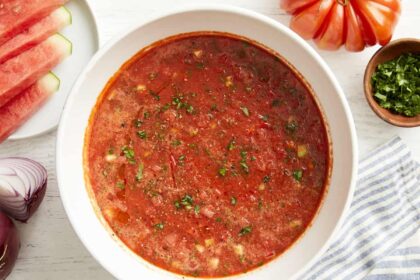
[385, 212]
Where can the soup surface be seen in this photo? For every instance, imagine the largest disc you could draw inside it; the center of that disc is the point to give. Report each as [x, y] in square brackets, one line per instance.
[207, 155]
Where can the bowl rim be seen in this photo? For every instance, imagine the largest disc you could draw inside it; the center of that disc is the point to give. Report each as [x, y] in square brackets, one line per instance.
[382, 113]
[213, 8]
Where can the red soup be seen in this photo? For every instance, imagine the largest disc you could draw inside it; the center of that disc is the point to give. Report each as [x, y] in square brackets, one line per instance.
[207, 155]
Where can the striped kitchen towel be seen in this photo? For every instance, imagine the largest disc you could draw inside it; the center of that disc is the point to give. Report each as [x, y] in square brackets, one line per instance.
[380, 237]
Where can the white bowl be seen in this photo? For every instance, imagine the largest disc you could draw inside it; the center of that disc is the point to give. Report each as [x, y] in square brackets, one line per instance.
[110, 252]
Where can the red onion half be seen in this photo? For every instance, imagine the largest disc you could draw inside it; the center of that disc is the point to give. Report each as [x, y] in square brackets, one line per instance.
[22, 187]
[9, 245]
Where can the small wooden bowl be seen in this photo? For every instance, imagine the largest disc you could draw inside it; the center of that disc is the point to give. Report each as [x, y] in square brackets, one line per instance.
[387, 53]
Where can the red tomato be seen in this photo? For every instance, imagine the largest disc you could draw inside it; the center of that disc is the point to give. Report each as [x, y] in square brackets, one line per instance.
[353, 23]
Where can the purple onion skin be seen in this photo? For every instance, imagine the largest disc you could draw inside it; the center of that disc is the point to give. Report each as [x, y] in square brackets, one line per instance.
[30, 203]
[35, 201]
[9, 245]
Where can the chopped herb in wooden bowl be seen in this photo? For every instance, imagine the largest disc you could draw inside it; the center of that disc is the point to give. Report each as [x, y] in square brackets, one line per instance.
[396, 85]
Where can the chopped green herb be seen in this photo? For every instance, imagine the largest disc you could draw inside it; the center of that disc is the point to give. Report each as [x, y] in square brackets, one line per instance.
[245, 111]
[139, 174]
[197, 209]
[165, 107]
[298, 174]
[244, 154]
[142, 134]
[129, 154]
[187, 201]
[223, 171]
[291, 126]
[213, 107]
[245, 231]
[233, 200]
[177, 205]
[111, 151]
[243, 163]
[159, 226]
[231, 145]
[396, 85]
[253, 158]
[266, 179]
[154, 94]
[245, 167]
[176, 101]
[264, 118]
[190, 109]
[137, 123]
[176, 143]
[120, 185]
[146, 115]
[218, 220]
[181, 159]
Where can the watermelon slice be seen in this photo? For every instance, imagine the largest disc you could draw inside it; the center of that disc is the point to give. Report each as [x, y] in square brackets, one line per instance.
[23, 106]
[37, 33]
[18, 73]
[18, 15]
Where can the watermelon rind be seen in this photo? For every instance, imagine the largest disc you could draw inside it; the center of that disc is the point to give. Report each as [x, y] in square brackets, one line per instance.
[50, 83]
[63, 15]
[62, 43]
[66, 13]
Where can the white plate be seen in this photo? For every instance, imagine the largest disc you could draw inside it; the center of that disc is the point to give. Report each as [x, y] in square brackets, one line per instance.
[84, 36]
[109, 251]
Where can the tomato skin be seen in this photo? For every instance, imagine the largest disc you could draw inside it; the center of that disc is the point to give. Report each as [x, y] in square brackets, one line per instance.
[309, 21]
[331, 36]
[353, 23]
[382, 16]
[354, 37]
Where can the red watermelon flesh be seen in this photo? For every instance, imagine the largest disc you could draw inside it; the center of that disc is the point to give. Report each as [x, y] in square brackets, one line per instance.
[20, 72]
[18, 110]
[37, 33]
[18, 15]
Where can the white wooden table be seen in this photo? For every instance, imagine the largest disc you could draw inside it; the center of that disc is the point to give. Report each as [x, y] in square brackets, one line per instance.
[51, 249]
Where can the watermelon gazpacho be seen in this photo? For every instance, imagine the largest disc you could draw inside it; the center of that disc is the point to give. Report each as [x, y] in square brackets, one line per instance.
[20, 72]
[35, 34]
[207, 154]
[23, 106]
[18, 15]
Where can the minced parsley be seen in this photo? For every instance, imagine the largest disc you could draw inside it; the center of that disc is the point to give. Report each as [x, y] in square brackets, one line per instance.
[139, 174]
[129, 154]
[245, 231]
[222, 171]
[396, 85]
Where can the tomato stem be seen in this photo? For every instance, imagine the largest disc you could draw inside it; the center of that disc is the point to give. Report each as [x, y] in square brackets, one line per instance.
[343, 2]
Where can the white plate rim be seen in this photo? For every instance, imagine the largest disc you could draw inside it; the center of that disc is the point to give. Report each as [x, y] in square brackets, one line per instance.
[97, 39]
